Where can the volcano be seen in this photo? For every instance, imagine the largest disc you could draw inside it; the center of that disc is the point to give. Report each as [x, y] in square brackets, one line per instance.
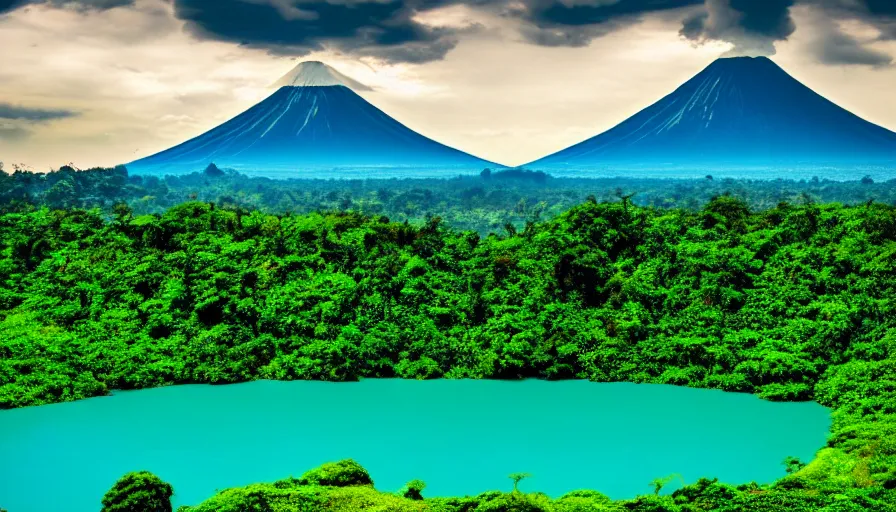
[315, 121]
[738, 112]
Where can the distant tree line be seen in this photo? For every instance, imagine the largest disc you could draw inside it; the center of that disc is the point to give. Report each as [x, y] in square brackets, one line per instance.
[487, 203]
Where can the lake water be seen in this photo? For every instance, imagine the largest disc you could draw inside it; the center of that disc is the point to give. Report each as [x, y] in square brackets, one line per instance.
[460, 437]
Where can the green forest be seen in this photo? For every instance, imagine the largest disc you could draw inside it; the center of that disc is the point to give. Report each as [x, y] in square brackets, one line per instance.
[486, 203]
[782, 289]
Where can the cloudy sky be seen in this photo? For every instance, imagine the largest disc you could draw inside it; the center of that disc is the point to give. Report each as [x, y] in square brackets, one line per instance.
[101, 82]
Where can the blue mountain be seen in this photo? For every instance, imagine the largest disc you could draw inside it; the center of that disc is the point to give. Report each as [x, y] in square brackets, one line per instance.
[739, 112]
[314, 122]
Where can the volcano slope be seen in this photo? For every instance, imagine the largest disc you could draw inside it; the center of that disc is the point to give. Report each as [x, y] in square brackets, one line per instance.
[741, 112]
[314, 121]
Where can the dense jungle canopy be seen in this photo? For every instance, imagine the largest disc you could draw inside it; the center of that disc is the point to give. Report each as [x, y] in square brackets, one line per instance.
[795, 301]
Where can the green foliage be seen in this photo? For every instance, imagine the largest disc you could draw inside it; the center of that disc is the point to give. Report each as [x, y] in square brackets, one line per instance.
[338, 474]
[831, 469]
[792, 465]
[517, 478]
[790, 302]
[659, 483]
[289, 496]
[514, 502]
[703, 495]
[586, 501]
[138, 492]
[413, 490]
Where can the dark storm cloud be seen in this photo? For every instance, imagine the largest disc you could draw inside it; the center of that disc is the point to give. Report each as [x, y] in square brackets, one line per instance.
[751, 26]
[768, 18]
[8, 5]
[880, 7]
[577, 22]
[83, 5]
[878, 13]
[596, 12]
[13, 133]
[88, 4]
[8, 111]
[413, 52]
[861, 8]
[388, 29]
[385, 29]
[392, 31]
[16, 121]
[833, 46]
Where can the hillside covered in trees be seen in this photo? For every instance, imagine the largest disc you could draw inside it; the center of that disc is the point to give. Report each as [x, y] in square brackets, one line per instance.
[790, 303]
[781, 288]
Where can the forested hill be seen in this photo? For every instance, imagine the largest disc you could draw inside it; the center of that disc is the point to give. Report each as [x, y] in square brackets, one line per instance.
[790, 303]
[485, 204]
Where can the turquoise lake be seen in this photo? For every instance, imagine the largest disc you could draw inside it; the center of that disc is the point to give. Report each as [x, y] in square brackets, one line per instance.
[460, 437]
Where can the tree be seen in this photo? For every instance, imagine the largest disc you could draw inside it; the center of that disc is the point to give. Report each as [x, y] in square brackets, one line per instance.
[213, 171]
[517, 478]
[792, 465]
[413, 490]
[138, 492]
[123, 213]
[63, 193]
[337, 474]
[659, 483]
[733, 211]
[626, 198]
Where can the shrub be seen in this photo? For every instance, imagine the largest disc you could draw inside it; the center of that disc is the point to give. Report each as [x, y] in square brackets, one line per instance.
[413, 490]
[138, 492]
[337, 474]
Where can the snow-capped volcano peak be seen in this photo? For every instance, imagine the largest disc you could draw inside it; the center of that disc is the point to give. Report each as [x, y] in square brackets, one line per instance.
[313, 73]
